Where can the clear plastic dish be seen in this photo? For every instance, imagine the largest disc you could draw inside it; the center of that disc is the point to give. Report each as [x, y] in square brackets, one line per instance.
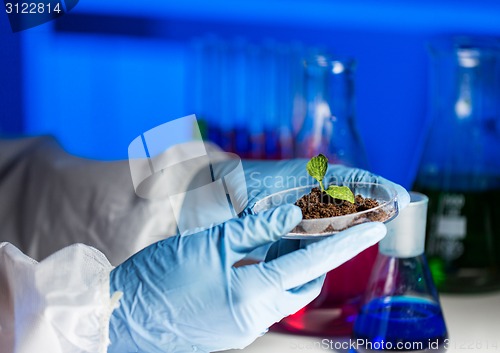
[322, 227]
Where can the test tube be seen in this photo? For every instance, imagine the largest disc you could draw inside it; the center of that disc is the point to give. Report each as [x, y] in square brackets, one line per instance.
[254, 107]
[226, 96]
[240, 96]
[195, 78]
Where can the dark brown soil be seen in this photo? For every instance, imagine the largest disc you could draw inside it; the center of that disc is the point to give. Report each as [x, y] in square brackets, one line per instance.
[318, 204]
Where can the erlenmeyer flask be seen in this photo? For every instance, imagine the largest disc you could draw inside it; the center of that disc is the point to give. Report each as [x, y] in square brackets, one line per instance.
[329, 128]
[329, 125]
[401, 309]
[460, 167]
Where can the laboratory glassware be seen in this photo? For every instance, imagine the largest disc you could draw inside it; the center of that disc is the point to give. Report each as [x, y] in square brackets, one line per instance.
[460, 166]
[246, 95]
[401, 309]
[204, 91]
[328, 127]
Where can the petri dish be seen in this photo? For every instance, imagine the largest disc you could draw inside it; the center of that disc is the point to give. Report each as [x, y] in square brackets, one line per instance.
[324, 227]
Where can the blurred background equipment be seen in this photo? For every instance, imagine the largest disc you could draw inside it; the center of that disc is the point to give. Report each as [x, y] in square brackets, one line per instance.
[103, 73]
[109, 70]
[244, 94]
[460, 168]
[329, 125]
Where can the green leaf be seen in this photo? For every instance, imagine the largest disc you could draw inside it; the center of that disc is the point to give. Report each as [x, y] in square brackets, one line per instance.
[341, 193]
[317, 167]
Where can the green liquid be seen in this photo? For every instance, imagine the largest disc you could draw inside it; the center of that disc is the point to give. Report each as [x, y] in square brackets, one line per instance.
[463, 239]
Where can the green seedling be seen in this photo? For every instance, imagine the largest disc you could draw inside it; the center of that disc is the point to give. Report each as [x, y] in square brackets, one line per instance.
[316, 168]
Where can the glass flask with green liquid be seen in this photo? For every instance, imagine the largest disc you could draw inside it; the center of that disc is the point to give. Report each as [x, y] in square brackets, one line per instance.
[460, 166]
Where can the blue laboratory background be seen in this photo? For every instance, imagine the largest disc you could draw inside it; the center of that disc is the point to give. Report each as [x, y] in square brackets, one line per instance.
[109, 70]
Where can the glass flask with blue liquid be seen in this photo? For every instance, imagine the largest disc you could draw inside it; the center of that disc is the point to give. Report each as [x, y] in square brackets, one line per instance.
[401, 309]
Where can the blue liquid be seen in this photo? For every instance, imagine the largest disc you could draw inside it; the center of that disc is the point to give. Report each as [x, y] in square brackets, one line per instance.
[401, 323]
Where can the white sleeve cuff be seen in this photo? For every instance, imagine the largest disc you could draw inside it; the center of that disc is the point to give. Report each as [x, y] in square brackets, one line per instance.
[59, 305]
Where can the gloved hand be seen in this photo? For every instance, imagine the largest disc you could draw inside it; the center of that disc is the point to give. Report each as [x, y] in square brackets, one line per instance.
[182, 294]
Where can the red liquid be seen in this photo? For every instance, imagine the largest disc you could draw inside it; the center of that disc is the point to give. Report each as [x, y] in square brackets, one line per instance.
[334, 311]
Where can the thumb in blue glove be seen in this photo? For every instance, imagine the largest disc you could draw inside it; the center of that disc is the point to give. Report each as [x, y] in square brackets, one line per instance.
[183, 294]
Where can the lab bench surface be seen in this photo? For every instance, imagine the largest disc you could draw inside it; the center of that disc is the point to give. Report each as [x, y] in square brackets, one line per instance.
[473, 323]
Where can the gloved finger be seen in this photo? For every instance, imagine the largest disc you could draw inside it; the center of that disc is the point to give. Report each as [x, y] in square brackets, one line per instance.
[274, 176]
[256, 196]
[282, 247]
[318, 258]
[296, 298]
[267, 177]
[338, 173]
[246, 234]
[403, 197]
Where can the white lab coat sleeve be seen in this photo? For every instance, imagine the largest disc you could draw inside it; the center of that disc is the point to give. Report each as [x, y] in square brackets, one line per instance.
[50, 199]
[60, 305]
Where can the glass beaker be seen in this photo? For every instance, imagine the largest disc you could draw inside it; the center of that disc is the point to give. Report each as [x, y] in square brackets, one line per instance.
[460, 166]
[329, 128]
[401, 309]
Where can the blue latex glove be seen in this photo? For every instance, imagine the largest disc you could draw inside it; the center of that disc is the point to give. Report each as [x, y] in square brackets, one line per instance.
[182, 294]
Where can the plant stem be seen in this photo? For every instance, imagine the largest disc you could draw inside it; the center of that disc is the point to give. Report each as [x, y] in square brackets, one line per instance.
[321, 185]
